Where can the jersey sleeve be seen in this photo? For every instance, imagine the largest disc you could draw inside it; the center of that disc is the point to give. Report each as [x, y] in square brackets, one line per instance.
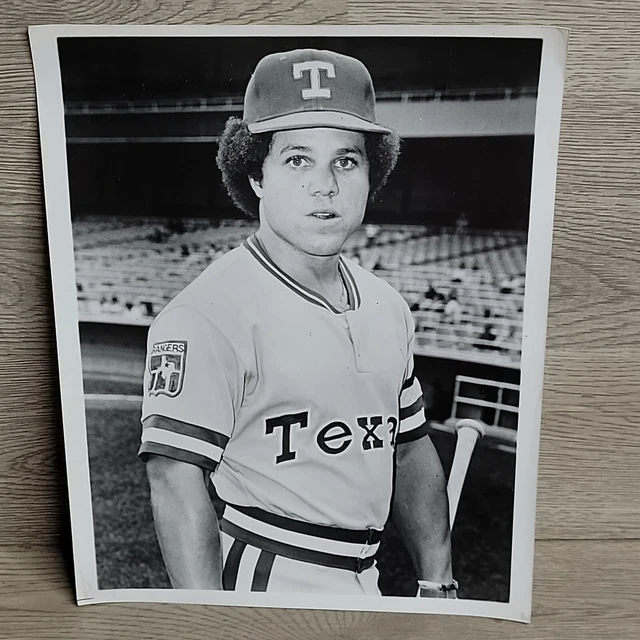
[413, 424]
[192, 389]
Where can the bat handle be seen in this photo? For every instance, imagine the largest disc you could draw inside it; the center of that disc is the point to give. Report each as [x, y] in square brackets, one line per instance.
[468, 431]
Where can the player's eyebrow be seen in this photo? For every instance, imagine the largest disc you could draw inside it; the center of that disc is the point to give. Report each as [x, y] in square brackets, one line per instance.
[339, 152]
[345, 150]
[295, 147]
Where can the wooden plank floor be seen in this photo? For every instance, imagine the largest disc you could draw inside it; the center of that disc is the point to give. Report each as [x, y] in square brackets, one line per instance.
[587, 575]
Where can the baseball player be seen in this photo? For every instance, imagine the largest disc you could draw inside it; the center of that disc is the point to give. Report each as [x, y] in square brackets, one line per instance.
[282, 422]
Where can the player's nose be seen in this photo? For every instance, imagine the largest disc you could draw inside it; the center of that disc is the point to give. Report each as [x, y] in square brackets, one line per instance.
[322, 181]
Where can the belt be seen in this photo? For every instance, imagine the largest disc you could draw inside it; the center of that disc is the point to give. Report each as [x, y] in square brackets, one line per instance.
[349, 549]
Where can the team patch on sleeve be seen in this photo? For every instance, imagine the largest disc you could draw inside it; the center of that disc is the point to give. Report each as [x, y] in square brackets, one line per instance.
[167, 362]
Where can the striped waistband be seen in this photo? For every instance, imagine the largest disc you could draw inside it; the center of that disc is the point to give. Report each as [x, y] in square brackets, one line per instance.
[348, 549]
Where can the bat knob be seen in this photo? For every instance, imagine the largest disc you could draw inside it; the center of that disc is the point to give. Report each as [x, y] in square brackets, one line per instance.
[469, 423]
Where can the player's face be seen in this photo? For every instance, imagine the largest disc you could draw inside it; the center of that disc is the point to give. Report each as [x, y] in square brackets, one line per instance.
[314, 188]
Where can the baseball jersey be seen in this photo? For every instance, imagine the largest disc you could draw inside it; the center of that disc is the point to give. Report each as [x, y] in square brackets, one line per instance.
[291, 405]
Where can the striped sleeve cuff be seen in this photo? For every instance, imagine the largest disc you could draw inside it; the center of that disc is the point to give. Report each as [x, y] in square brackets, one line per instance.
[182, 441]
[413, 423]
[154, 448]
[414, 434]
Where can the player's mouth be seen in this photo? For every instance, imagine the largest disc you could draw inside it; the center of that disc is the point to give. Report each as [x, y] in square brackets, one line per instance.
[324, 214]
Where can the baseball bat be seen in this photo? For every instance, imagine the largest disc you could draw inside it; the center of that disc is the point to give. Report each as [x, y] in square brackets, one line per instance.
[468, 431]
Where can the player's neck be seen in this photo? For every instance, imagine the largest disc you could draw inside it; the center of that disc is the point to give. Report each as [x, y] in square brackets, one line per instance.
[318, 273]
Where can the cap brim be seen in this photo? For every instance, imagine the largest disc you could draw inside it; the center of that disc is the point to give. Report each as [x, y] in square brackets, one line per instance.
[309, 119]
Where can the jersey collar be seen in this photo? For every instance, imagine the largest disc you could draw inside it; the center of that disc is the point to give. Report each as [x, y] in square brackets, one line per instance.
[255, 248]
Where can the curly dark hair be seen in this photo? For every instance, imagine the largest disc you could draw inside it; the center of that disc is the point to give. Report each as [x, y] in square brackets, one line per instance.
[241, 155]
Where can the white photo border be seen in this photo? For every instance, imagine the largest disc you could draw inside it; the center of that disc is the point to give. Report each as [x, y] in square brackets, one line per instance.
[43, 41]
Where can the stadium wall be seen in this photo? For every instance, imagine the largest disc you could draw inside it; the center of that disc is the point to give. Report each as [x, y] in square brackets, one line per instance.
[113, 352]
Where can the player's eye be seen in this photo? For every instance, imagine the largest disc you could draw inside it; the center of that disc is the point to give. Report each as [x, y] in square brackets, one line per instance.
[346, 162]
[297, 161]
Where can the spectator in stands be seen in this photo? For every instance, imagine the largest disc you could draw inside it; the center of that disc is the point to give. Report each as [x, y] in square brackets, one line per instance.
[432, 304]
[452, 309]
[426, 302]
[459, 274]
[115, 306]
[462, 223]
[157, 236]
[508, 342]
[371, 231]
[487, 336]
[135, 311]
[433, 294]
[512, 284]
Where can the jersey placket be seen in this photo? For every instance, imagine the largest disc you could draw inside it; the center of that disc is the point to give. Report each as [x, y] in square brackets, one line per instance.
[359, 337]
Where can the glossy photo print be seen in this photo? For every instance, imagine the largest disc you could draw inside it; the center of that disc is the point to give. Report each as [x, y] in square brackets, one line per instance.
[300, 279]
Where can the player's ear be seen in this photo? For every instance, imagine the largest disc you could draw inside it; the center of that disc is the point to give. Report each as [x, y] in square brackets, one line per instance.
[256, 185]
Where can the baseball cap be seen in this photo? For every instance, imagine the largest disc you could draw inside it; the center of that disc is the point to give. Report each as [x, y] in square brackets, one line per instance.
[310, 88]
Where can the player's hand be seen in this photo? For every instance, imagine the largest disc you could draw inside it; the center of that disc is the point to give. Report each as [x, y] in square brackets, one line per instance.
[427, 589]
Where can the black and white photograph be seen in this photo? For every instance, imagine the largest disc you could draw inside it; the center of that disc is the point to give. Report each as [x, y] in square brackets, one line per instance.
[300, 280]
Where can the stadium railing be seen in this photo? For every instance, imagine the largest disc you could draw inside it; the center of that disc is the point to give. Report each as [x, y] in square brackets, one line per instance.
[492, 403]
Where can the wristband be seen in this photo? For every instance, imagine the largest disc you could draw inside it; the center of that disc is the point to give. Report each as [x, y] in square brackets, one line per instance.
[427, 589]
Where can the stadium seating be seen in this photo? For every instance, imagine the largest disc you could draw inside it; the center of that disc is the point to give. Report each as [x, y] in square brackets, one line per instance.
[127, 270]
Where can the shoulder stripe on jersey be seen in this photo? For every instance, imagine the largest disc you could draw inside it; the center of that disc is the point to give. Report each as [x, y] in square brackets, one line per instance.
[315, 530]
[410, 395]
[412, 409]
[258, 252]
[179, 441]
[263, 571]
[231, 566]
[414, 434]
[175, 453]
[186, 429]
[408, 382]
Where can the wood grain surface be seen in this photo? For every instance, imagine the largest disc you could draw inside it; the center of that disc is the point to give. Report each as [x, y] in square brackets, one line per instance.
[587, 576]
